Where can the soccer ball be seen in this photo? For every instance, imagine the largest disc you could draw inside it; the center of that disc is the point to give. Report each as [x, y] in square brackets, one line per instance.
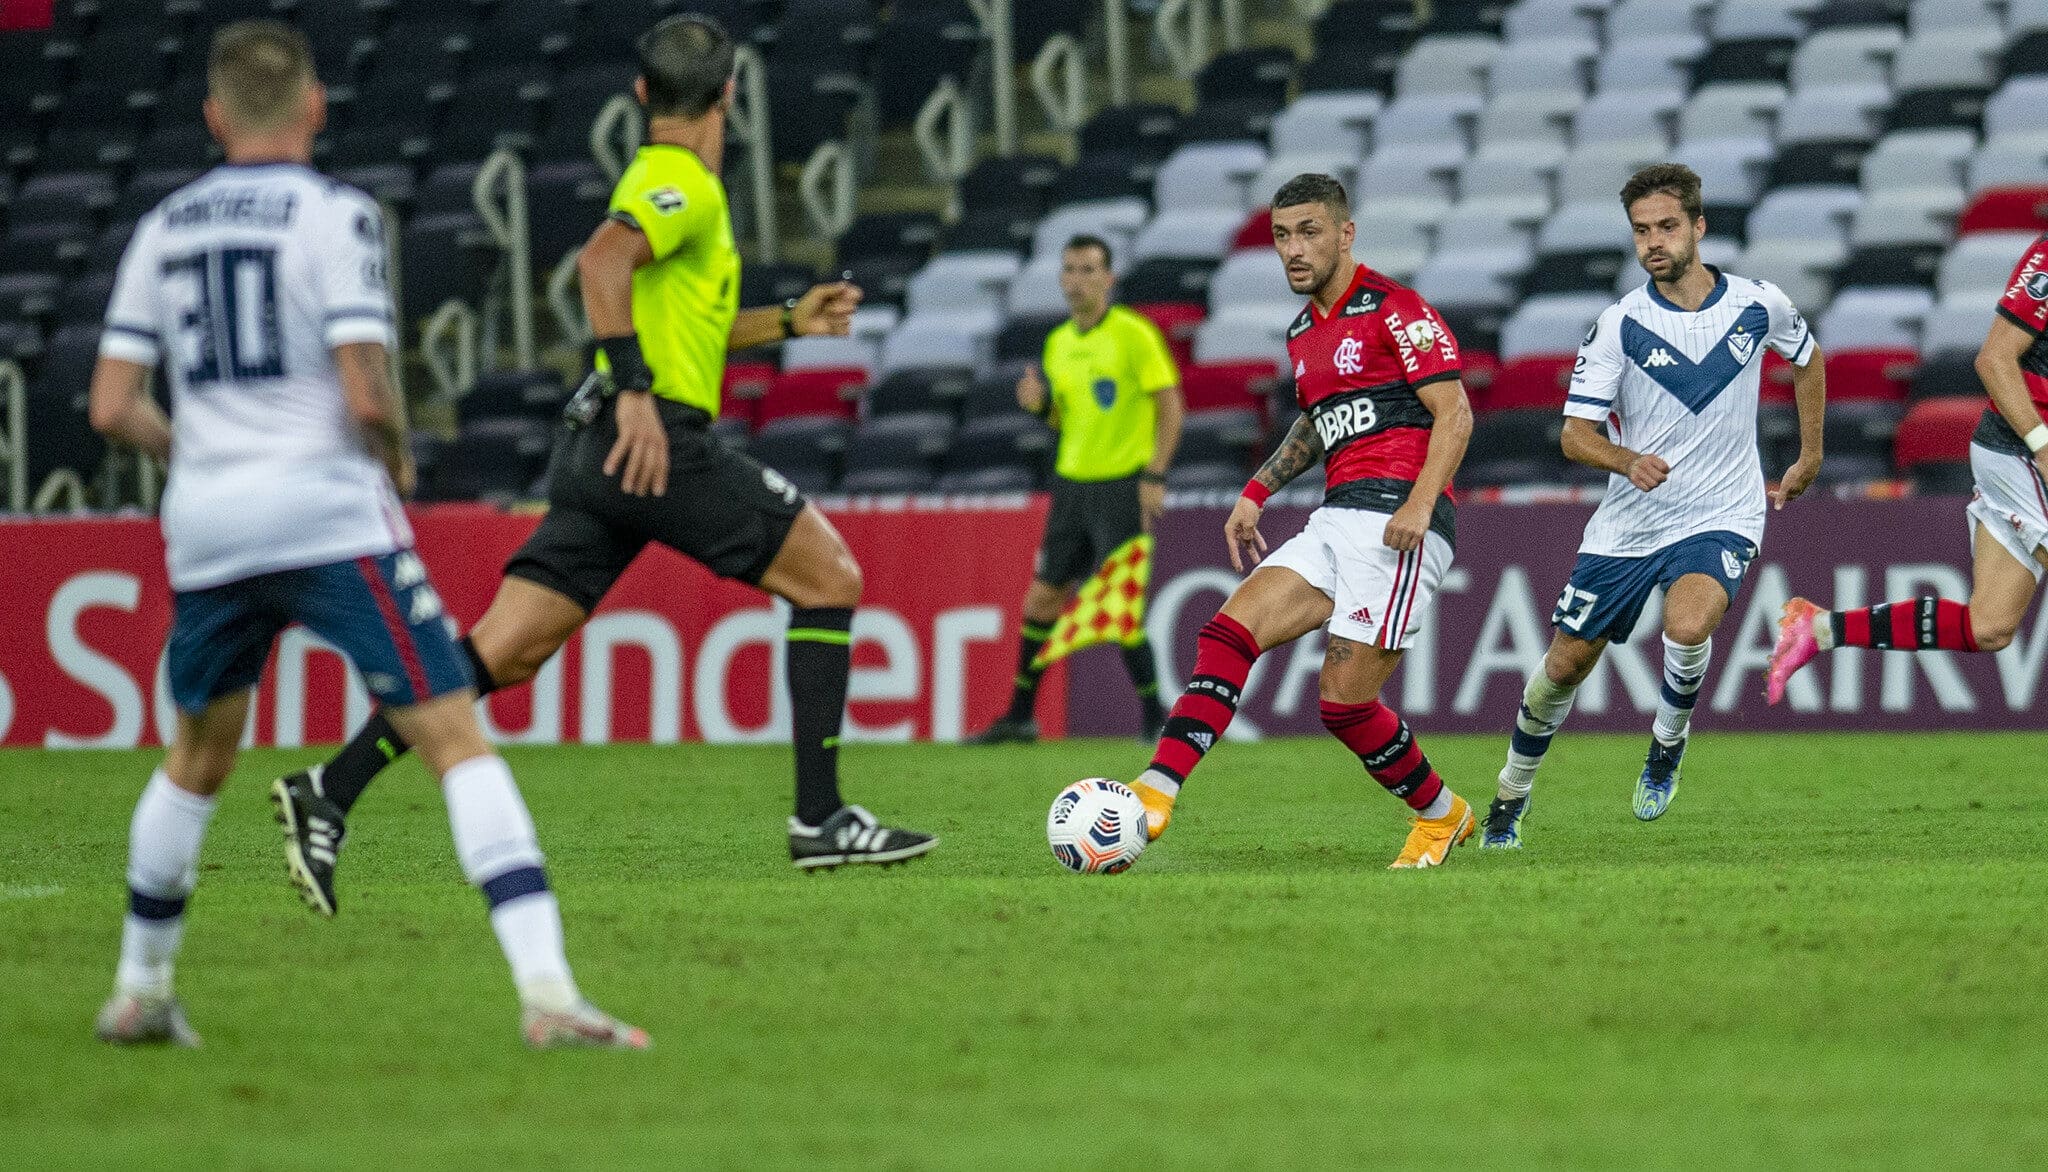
[1096, 826]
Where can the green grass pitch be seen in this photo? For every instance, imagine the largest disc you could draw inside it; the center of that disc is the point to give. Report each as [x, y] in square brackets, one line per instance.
[1830, 952]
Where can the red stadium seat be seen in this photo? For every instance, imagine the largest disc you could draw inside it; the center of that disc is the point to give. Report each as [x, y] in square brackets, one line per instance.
[1177, 320]
[1533, 380]
[1225, 386]
[1937, 431]
[2006, 208]
[1871, 374]
[1777, 384]
[746, 384]
[826, 392]
[1257, 231]
[1481, 368]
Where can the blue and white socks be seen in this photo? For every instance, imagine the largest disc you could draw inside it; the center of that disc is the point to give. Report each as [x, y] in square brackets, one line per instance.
[1544, 707]
[1685, 668]
[494, 839]
[163, 867]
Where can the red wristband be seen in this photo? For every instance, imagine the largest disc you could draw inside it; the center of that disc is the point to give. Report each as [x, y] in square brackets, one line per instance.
[1256, 492]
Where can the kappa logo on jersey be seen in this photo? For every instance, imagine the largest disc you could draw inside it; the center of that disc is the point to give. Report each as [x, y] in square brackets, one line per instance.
[667, 200]
[1741, 345]
[1348, 357]
[1345, 421]
[1660, 357]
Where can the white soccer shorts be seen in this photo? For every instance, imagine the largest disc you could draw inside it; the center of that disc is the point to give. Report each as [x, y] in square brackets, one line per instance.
[1377, 595]
[2012, 503]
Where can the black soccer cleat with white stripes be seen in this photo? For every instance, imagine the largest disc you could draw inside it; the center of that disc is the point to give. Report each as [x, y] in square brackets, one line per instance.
[313, 832]
[853, 836]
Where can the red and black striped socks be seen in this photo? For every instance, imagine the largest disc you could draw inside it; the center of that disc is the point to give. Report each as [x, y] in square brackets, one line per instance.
[1384, 743]
[1917, 624]
[1224, 654]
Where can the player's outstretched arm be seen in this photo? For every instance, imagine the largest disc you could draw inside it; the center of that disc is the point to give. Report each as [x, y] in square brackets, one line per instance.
[1998, 364]
[1585, 442]
[122, 410]
[823, 311]
[374, 403]
[1449, 432]
[1810, 392]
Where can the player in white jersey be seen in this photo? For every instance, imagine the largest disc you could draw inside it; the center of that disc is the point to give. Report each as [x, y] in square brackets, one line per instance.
[260, 287]
[1664, 398]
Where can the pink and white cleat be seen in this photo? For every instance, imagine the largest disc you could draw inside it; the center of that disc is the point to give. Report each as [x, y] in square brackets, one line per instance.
[1796, 646]
[582, 1024]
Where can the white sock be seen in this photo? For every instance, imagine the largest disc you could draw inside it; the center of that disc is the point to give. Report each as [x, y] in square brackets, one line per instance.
[1824, 631]
[1438, 808]
[1685, 668]
[1160, 782]
[163, 867]
[1544, 707]
[494, 839]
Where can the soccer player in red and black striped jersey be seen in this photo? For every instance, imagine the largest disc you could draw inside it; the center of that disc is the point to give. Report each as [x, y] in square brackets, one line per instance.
[2008, 511]
[1377, 376]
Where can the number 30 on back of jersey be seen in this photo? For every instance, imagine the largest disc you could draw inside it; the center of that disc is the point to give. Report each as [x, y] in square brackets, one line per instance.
[226, 304]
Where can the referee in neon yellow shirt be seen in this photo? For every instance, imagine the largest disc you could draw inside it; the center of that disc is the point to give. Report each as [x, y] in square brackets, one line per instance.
[1110, 387]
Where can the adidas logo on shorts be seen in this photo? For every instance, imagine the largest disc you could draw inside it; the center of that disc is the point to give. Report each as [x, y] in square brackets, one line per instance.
[1361, 615]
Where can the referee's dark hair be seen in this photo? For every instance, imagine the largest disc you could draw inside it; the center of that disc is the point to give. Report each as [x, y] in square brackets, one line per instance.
[1088, 240]
[1315, 188]
[1676, 180]
[686, 61]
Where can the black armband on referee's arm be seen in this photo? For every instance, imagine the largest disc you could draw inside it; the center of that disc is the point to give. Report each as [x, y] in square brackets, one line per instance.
[627, 366]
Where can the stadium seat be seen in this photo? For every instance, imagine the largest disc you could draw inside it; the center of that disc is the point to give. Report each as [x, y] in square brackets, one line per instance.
[579, 95]
[806, 449]
[1106, 175]
[496, 459]
[1918, 158]
[1209, 175]
[1647, 119]
[1594, 173]
[829, 392]
[912, 235]
[1429, 119]
[1393, 246]
[1250, 278]
[513, 394]
[1246, 333]
[1804, 268]
[1470, 276]
[1225, 386]
[1859, 440]
[1982, 262]
[1532, 381]
[1804, 213]
[1446, 64]
[896, 453]
[1550, 63]
[1657, 62]
[1263, 73]
[2023, 208]
[966, 280]
[1514, 447]
[2015, 107]
[1281, 168]
[1911, 265]
[916, 392]
[1339, 122]
[2013, 160]
[1836, 113]
[1178, 321]
[1875, 319]
[1907, 216]
[740, 393]
[26, 295]
[1818, 163]
[1536, 20]
[1937, 431]
[1023, 182]
[1870, 374]
[1530, 117]
[958, 339]
[1230, 120]
[996, 453]
[814, 353]
[492, 109]
[915, 49]
[1150, 129]
[1959, 321]
[1550, 325]
[1947, 375]
[1114, 220]
[1859, 55]
[1586, 226]
[1165, 278]
[1417, 180]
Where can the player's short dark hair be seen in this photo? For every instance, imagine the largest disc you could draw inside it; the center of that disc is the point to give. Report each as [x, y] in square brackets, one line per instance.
[1314, 188]
[1676, 180]
[257, 70]
[1090, 240]
[686, 61]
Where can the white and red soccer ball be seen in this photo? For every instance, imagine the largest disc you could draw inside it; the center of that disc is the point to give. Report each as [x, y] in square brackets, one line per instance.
[1096, 826]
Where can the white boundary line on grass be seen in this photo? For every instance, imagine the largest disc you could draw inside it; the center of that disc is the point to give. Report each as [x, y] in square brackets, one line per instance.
[28, 891]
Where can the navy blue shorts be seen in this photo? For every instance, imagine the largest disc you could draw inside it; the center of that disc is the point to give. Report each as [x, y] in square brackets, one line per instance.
[1605, 596]
[381, 612]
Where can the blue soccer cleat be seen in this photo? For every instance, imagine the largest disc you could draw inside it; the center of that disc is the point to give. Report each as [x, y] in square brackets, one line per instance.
[1659, 780]
[1504, 824]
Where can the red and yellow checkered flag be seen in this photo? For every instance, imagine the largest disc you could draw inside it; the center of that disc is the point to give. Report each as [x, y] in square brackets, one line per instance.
[1110, 607]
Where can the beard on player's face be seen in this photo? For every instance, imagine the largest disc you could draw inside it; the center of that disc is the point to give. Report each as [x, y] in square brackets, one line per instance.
[1311, 273]
[1681, 255]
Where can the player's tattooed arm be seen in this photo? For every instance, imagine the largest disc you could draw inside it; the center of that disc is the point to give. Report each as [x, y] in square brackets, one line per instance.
[1297, 453]
[377, 407]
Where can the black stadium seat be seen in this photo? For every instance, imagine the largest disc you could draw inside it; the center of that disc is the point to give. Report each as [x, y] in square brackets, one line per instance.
[1020, 183]
[1514, 447]
[1827, 161]
[1754, 59]
[1166, 278]
[1912, 265]
[1149, 129]
[1247, 73]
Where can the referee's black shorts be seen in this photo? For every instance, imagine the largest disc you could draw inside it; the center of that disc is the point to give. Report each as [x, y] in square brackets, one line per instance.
[723, 510]
[1089, 520]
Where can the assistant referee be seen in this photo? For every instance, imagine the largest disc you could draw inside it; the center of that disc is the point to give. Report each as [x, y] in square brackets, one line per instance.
[1110, 387]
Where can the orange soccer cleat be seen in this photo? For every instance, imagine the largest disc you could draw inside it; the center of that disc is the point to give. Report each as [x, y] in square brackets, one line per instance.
[1432, 838]
[1158, 809]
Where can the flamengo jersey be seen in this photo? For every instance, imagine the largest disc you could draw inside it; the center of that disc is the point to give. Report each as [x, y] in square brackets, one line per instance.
[1356, 371]
[1684, 386]
[2025, 305]
[241, 283]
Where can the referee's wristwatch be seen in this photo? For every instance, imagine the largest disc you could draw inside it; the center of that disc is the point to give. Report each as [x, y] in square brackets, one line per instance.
[789, 319]
[1147, 476]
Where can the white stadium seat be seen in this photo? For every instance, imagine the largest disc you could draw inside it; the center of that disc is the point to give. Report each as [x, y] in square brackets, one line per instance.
[1208, 175]
[1512, 174]
[1596, 173]
[1846, 56]
[1579, 227]
[1637, 18]
[1411, 174]
[1115, 220]
[1037, 288]
[1428, 118]
[1395, 247]
[1916, 158]
[816, 353]
[1537, 116]
[1250, 277]
[1732, 110]
[1909, 215]
[1340, 121]
[871, 322]
[1874, 319]
[1539, 20]
[1951, 58]
[952, 338]
[1660, 61]
[1804, 269]
[2011, 160]
[1199, 233]
[1629, 116]
[1485, 220]
[1280, 168]
[1552, 324]
[2026, 16]
[1959, 321]
[963, 280]
[1759, 19]
[1247, 332]
[1982, 260]
[1455, 64]
[1806, 212]
[1553, 63]
[2016, 107]
[1931, 15]
[1828, 113]
[1731, 169]
[1473, 276]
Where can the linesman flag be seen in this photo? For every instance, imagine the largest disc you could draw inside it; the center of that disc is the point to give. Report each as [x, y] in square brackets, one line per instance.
[1110, 607]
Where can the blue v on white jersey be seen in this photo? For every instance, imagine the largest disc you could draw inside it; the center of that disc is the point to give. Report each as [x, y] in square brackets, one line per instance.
[1683, 386]
[242, 282]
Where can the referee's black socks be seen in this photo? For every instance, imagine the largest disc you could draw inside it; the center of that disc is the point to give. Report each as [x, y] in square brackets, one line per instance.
[817, 660]
[377, 744]
[1144, 671]
[1024, 697]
